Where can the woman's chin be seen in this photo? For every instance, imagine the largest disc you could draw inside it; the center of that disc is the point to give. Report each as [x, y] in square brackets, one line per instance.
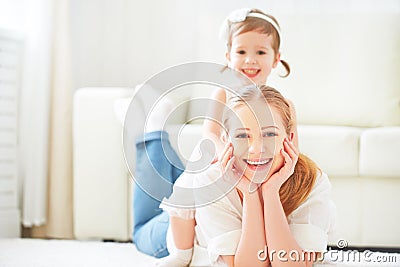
[259, 178]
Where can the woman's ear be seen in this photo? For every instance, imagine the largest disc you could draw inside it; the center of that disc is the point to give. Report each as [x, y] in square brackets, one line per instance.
[291, 136]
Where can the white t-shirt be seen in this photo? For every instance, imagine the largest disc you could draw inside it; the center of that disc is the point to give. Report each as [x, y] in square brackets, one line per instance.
[219, 223]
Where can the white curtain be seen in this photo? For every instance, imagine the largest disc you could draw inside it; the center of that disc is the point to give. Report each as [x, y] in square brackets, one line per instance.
[45, 119]
[59, 205]
[34, 110]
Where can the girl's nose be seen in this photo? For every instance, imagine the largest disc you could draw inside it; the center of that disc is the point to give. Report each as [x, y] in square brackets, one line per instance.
[250, 60]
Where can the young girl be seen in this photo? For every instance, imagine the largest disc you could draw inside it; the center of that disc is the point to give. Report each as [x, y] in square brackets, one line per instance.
[286, 222]
[253, 39]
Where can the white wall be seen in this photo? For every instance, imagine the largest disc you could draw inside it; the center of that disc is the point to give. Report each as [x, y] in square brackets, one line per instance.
[12, 14]
[123, 42]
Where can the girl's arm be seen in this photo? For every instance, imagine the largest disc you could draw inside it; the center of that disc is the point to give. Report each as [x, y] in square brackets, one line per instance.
[277, 228]
[183, 232]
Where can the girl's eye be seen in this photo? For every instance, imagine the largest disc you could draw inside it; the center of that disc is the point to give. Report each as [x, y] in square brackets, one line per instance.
[261, 52]
[241, 52]
[270, 134]
[242, 135]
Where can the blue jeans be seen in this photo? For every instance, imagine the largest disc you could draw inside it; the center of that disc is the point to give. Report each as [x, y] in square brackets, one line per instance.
[157, 168]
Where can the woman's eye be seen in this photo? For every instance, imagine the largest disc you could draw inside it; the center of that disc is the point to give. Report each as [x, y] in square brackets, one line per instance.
[270, 134]
[243, 135]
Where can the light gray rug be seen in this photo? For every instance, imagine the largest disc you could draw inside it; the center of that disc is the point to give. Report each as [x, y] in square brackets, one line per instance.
[73, 253]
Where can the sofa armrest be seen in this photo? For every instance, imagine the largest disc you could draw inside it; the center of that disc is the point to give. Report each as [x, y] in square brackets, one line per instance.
[101, 184]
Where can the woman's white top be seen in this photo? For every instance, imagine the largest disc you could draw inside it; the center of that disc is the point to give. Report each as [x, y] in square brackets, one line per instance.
[219, 224]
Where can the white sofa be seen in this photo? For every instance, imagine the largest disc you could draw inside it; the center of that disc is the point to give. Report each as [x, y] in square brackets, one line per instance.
[362, 164]
[346, 91]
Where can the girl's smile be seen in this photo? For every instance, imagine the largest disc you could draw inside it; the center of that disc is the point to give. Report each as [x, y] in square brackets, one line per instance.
[251, 73]
[252, 54]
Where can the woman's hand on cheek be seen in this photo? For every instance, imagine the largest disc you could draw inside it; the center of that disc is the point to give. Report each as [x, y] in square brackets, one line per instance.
[225, 163]
[290, 155]
[229, 172]
[238, 179]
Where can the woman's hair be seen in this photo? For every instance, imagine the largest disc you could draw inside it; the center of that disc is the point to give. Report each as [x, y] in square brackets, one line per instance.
[261, 26]
[299, 185]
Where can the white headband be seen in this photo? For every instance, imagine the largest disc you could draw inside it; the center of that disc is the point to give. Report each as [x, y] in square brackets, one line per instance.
[241, 15]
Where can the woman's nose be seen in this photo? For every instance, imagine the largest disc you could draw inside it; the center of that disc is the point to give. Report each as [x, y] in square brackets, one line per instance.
[257, 146]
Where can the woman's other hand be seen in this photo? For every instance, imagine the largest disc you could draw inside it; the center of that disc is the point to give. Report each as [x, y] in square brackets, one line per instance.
[290, 155]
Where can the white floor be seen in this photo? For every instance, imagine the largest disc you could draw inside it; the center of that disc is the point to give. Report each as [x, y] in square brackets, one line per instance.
[63, 253]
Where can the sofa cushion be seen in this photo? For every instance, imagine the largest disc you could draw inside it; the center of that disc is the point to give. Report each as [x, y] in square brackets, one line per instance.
[199, 101]
[333, 148]
[347, 197]
[379, 152]
[380, 213]
[184, 138]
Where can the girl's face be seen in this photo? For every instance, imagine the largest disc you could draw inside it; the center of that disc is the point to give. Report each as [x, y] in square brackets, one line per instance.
[252, 54]
[257, 134]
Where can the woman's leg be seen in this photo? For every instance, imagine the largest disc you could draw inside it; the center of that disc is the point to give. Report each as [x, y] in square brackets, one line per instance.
[157, 168]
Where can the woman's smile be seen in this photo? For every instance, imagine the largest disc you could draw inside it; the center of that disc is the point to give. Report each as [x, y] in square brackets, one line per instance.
[258, 164]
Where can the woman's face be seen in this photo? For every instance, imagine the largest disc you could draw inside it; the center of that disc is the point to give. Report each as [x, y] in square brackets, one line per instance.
[252, 54]
[257, 134]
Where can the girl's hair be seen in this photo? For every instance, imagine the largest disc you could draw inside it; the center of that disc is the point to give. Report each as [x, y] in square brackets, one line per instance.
[299, 185]
[261, 26]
